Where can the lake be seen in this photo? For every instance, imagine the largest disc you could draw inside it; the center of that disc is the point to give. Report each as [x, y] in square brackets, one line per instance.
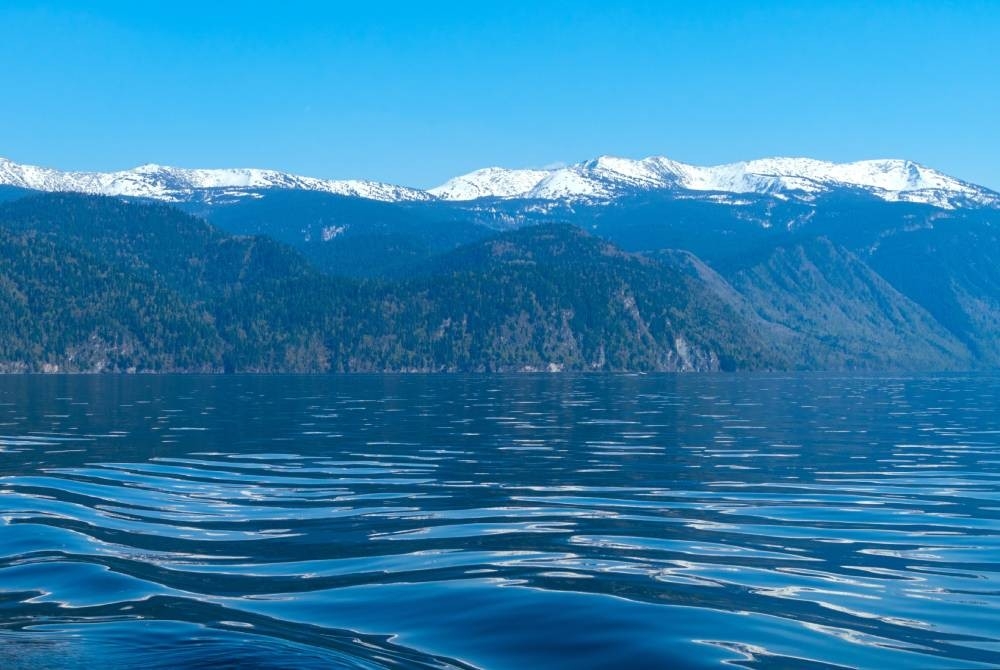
[542, 521]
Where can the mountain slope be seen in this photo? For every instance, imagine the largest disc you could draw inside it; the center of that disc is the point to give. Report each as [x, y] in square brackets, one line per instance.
[66, 310]
[951, 267]
[843, 314]
[255, 304]
[555, 297]
[346, 236]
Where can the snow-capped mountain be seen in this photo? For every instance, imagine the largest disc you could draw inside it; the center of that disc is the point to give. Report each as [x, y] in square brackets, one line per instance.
[177, 184]
[608, 177]
[595, 181]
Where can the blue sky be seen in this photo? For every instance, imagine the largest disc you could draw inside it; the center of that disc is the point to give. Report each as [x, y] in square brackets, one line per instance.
[414, 93]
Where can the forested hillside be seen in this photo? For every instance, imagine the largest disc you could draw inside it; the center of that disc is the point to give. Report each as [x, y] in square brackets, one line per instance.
[92, 283]
[95, 283]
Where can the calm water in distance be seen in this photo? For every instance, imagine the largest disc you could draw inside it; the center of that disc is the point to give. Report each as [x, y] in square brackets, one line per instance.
[500, 522]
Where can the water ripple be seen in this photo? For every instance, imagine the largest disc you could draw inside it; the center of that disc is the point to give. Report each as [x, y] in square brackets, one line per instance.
[372, 522]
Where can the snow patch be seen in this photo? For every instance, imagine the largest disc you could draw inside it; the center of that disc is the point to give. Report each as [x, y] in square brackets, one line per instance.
[330, 232]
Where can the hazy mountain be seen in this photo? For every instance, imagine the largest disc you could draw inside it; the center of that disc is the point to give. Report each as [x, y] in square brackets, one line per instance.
[349, 236]
[950, 265]
[843, 313]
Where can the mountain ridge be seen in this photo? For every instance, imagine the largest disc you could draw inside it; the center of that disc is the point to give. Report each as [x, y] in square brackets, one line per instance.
[170, 184]
[608, 177]
[595, 181]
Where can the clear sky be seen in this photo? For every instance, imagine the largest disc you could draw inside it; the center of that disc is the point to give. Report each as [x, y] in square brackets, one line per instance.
[415, 93]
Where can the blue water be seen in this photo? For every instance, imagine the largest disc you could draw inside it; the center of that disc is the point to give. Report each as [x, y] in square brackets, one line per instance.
[499, 522]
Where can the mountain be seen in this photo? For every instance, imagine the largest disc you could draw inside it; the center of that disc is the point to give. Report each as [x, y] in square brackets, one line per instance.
[599, 180]
[346, 236]
[607, 178]
[100, 284]
[67, 310]
[844, 314]
[897, 270]
[171, 184]
[950, 265]
[555, 297]
[107, 285]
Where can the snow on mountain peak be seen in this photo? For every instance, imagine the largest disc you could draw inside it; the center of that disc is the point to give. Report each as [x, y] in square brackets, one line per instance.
[495, 182]
[171, 184]
[601, 179]
[607, 177]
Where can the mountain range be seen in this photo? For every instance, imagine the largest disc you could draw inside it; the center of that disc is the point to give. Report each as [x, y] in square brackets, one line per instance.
[604, 178]
[609, 264]
[608, 177]
[171, 184]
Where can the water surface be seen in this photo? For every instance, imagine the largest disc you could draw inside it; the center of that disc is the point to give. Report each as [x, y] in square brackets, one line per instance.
[499, 522]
